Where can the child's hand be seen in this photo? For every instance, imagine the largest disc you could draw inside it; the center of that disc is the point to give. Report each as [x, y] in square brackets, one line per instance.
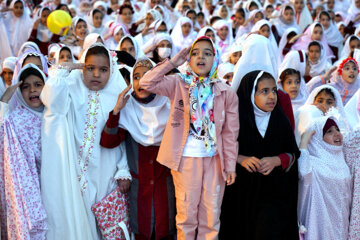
[124, 185]
[230, 178]
[36, 23]
[268, 164]
[321, 107]
[305, 139]
[252, 164]
[10, 92]
[180, 57]
[122, 100]
[328, 74]
[72, 66]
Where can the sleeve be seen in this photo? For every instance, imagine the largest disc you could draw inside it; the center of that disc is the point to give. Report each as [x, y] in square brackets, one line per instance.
[55, 38]
[287, 160]
[157, 82]
[286, 106]
[112, 135]
[4, 110]
[33, 34]
[230, 131]
[123, 171]
[305, 168]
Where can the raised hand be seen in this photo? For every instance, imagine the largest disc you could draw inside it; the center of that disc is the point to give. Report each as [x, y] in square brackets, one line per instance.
[328, 74]
[10, 92]
[305, 139]
[181, 57]
[122, 100]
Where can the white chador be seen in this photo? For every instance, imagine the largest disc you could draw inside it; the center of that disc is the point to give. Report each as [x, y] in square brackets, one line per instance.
[76, 171]
[324, 188]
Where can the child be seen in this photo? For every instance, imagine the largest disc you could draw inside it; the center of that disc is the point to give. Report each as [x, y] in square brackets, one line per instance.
[224, 34]
[287, 41]
[144, 117]
[324, 182]
[130, 45]
[302, 14]
[226, 73]
[116, 32]
[290, 81]
[76, 36]
[298, 61]
[351, 43]
[264, 196]
[62, 55]
[199, 144]
[319, 64]
[285, 21]
[40, 33]
[95, 19]
[254, 17]
[23, 215]
[183, 34]
[76, 108]
[8, 67]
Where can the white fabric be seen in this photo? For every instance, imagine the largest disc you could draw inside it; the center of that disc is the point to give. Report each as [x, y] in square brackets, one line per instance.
[346, 49]
[177, 36]
[194, 146]
[333, 36]
[281, 26]
[305, 17]
[352, 109]
[57, 54]
[145, 121]
[138, 51]
[257, 54]
[5, 42]
[325, 188]
[43, 33]
[352, 12]
[9, 63]
[293, 60]
[261, 118]
[242, 30]
[82, 171]
[223, 69]
[322, 65]
[18, 29]
[224, 44]
[284, 41]
[89, 19]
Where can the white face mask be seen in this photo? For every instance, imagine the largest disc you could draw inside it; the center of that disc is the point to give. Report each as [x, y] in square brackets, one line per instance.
[164, 52]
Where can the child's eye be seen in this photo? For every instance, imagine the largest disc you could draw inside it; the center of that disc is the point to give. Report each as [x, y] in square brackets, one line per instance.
[264, 91]
[104, 70]
[136, 78]
[90, 68]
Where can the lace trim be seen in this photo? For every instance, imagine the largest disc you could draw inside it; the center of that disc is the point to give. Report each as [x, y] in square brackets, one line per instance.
[87, 147]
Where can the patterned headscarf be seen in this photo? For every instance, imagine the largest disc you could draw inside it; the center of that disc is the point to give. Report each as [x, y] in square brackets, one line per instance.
[201, 98]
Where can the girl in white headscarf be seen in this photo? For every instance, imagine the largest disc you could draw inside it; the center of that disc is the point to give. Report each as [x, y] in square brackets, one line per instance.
[286, 42]
[302, 13]
[353, 13]
[76, 109]
[183, 34]
[324, 182]
[319, 64]
[23, 215]
[286, 20]
[130, 45]
[95, 21]
[7, 71]
[18, 25]
[224, 35]
[254, 16]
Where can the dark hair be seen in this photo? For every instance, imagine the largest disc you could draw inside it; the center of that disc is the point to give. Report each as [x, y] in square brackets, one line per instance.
[97, 11]
[352, 38]
[317, 25]
[288, 8]
[124, 6]
[241, 11]
[325, 13]
[264, 76]
[127, 39]
[269, 6]
[314, 43]
[201, 14]
[31, 71]
[253, 4]
[288, 72]
[65, 48]
[214, 19]
[290, 35]
[209, 30]
[191, 11]
[97, 50]
[126, 75]
[326, 91]
[64, 5]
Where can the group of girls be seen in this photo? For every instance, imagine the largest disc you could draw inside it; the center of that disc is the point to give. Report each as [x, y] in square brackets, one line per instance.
[213, 119]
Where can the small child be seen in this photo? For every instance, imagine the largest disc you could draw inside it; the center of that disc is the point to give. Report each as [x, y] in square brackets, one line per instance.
[319, 64]
[290, 81]
[8, 67]
[183, 34]
[224, 36]
[302, 14]
[199, 144]
[95, 19]
[226, 73]
[325, 186]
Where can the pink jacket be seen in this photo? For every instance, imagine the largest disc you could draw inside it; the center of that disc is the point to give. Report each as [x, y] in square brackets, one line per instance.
[226, 117]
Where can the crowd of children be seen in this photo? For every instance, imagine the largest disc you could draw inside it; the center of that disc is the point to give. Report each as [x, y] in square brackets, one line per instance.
[180, 119]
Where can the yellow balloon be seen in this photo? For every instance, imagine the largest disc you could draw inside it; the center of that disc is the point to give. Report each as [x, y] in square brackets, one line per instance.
[57, 20]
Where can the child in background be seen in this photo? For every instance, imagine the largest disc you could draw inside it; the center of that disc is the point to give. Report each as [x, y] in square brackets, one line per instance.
[130, 45]
[224, 36]
[267, 177]
[290, 81]
[302, 14]
[183, 34]
[199, 144]
[226, 72]
[142, 120]
[8, 67]
[318, 61]
[324, 182]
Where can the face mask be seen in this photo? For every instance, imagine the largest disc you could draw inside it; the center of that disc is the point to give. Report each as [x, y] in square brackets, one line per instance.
[164, 52]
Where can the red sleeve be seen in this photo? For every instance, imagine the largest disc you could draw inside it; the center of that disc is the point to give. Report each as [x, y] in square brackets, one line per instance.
[112, 135]
[32, 37]
[287, 160]
[55, 38]
[286, 106]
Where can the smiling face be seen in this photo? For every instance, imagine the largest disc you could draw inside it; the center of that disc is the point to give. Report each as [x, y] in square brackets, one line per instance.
[291, 85]
[317, 33]
[139, 72]
[222, 33]
[239, 19]
[31, 89]
[349, 72]
[81, 29]
[266, 94]
[18, 9]
[202, 58]
[333, 136]
[96, 72]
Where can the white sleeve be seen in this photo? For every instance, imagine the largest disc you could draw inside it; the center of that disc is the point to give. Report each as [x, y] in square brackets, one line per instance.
[123, 171]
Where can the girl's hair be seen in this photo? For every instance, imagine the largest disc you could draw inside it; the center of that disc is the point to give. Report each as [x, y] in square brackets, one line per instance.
[97, 50]
[269, 6]
[325, 13]
[288, 8]
[64, 5]
[65, 48]
[191, 11]
[317, 25]
[326, 91]
[97, 11]
[209, 30]
[253, 4]
[30, 55]
[201, 14]
[352, 38]
[288, 72]
[290, 35]
[241, 11]
[127, 39]
[265, 75]
[214, 19]
[124, 6]
[30, 72]
[314, 43]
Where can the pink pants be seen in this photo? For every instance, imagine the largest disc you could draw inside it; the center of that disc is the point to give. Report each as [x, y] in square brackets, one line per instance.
[199, 190]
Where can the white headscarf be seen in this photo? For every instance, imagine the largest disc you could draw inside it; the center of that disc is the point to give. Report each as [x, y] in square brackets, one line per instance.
[28, 46]
[138, 51]
[281, 26]
[235, 47]
[305, 18]
[224, 44]
[261, 118]
[43, 32]
[346, 49]
[284, 41]
[333, 36]
[145, 121]
[9, 63]
[89, 19]
[18, 95]
[224, 69]
[177, 36]
[320, 67]
[257, 54]
[352, 12]
[352, 109]
[57, 54]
